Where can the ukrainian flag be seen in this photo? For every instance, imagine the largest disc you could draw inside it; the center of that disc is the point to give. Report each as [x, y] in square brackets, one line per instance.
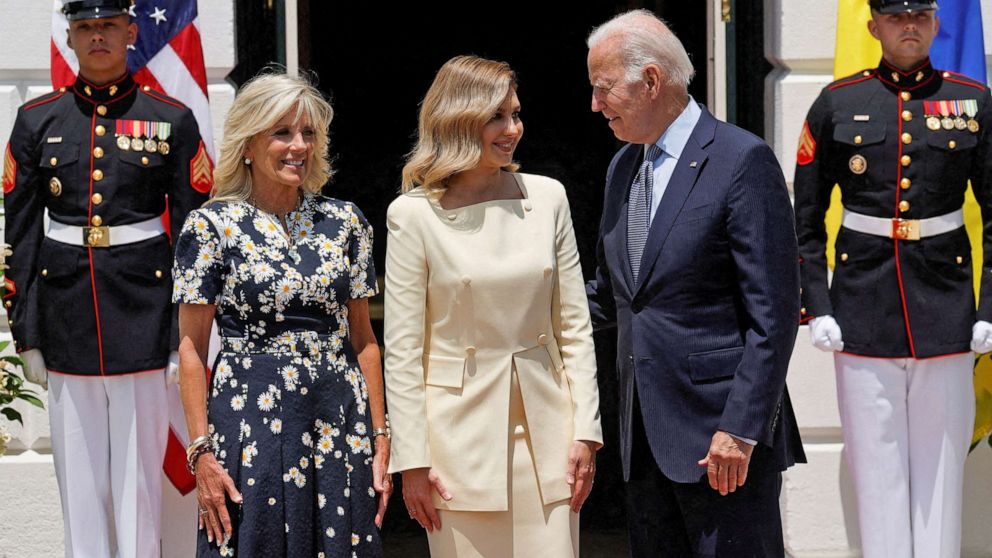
[959, 47]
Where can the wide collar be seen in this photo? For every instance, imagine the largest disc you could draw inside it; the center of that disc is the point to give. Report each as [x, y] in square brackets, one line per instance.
[897, 79]
[107, 93]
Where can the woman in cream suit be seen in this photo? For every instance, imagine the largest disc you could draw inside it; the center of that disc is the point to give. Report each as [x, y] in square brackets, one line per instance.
[490, 366]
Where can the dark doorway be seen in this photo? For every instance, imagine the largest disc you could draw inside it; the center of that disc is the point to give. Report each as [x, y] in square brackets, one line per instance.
[377, 61]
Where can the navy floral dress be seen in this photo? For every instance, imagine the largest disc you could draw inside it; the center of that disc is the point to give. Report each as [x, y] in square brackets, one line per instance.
[288, 405]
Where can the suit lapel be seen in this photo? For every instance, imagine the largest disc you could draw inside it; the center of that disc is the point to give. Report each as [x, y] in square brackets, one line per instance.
[683, 180]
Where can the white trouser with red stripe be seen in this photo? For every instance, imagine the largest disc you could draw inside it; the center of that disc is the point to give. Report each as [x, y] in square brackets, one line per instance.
[108, 440]
[907, 427]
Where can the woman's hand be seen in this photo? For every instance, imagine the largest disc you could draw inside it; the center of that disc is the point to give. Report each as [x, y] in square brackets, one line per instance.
[417, 486]
[382, 481]
[213, 487]
[581, 470]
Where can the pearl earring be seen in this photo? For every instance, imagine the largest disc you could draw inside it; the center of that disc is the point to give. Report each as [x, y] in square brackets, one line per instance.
[247, 161]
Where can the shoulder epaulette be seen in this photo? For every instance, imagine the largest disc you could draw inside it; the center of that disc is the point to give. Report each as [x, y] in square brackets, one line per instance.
[863, 75]
[46, 98]
[963, 79]
[161, 97]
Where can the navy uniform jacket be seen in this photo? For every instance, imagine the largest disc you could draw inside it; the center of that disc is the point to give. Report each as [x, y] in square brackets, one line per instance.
[98, 310]
[869, 134]
[705, 335]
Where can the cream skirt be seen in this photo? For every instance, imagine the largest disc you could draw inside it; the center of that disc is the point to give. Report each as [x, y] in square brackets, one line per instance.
[528, 528]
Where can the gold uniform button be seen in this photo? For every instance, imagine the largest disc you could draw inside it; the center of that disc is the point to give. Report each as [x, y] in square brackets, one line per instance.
[906, 160]
[8, 304]
[144, 161]
[98, 175]
[958, 259]
[946, 74]
[905, 183]
[158, 273]
[907, 116]
[907, 138]
[100, 130]
[866, 73]
[44, 273]
[96, 220]
[146, 88]
[98, 152]
[97, 198]
[904, 206]
[952, 144]
[802, 311]
[857, 140]
[843, 257]
[53, 161]
[906, 95]
[542, 339]
[101, 110]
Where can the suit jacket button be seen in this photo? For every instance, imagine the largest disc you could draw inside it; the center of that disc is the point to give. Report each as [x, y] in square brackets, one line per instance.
[44, 273]
[542, 339]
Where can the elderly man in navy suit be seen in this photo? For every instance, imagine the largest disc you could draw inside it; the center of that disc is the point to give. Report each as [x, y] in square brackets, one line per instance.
[698, 270]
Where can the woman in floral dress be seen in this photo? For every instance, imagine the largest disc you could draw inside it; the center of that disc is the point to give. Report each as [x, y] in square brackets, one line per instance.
[295, 402]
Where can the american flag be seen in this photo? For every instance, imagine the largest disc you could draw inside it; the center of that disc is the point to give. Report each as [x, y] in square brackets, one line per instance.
[167, 57]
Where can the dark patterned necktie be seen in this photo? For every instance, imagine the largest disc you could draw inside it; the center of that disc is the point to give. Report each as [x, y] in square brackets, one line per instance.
[639, 209]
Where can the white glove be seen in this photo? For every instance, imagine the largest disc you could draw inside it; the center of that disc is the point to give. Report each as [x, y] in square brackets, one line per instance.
[34, 367]
[825, 334]
[981, 337]
[172, 369]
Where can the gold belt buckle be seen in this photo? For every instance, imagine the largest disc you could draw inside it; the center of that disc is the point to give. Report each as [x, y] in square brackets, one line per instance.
[906, 229]
[96, 237]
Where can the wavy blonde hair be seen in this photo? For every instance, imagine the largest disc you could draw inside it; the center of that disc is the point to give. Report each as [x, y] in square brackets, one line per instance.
[466, 92]
[260, 104]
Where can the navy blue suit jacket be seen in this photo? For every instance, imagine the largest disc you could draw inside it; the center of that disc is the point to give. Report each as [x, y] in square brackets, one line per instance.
[706, 334]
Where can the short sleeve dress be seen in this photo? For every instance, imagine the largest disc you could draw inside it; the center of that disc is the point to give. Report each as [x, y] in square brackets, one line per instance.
[288, 404]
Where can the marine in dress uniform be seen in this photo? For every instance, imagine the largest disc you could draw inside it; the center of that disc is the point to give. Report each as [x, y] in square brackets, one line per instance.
[88, 295]
[902, 141]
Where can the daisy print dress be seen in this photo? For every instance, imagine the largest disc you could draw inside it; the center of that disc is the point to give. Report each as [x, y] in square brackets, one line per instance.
[287, 402]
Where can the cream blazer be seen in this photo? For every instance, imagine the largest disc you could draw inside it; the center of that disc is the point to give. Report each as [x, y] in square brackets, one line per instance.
[473, 294]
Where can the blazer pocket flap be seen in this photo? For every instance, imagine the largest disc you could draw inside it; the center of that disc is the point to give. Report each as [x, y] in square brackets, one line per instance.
[445, 371]
[720, 364]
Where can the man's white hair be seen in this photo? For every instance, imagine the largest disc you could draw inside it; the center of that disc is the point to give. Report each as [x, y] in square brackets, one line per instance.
[645, 39]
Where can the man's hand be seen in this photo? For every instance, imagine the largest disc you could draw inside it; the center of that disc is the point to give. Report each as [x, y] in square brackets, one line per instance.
[727, 462]
[825, 334]
[34, 367]
[981, 337]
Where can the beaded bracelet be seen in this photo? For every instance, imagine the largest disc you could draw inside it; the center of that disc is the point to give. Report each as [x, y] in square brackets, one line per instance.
[196, 448]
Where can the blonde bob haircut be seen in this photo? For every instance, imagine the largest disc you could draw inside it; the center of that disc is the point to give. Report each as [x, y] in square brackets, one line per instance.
[465, 95]
[260, 104]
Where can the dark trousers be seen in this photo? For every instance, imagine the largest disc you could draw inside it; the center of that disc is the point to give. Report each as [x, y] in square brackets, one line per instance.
[671, 519]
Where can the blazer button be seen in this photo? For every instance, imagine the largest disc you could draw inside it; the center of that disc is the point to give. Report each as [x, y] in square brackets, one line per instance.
[470, 350]
[542, 339]
[466, 280]
[452, 216]
[527, 205]
[547, 272]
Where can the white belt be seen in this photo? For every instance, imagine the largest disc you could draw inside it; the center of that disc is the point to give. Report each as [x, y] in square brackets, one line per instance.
[105, 236]
[903, 229]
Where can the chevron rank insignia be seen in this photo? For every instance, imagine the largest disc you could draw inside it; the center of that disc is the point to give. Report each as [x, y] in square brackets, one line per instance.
[807, 146]
[9, 171]
[201, 171]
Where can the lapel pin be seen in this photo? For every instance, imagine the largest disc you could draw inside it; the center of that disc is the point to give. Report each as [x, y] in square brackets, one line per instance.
[693, 164]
